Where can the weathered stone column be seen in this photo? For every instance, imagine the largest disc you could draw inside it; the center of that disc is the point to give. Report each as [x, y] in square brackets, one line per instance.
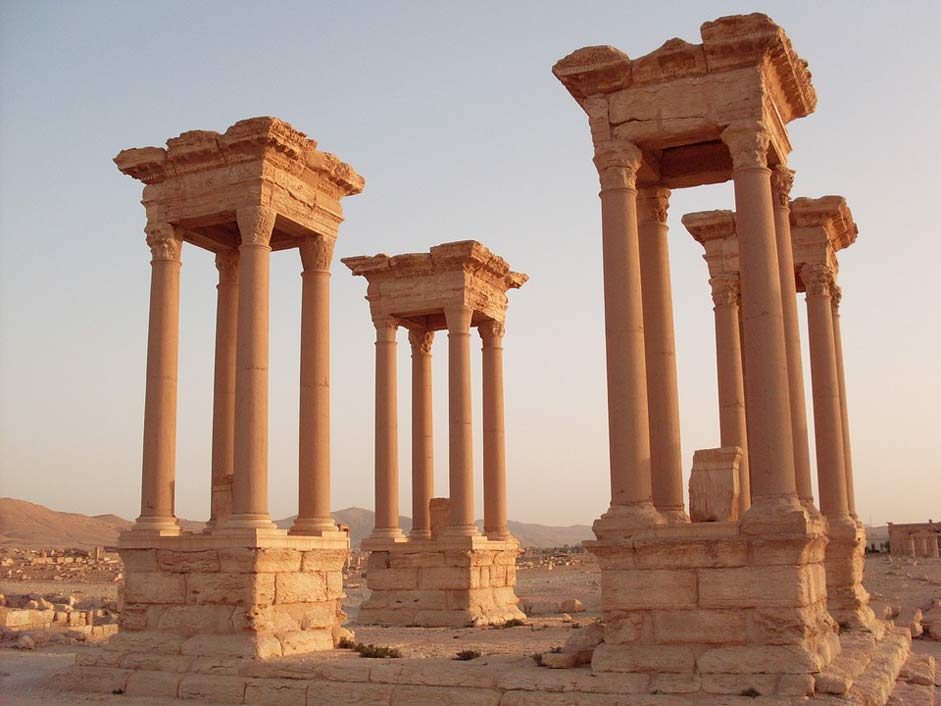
[158, 469]
[767, 402]
[313, 513]
[782, 179]
[628, 423]
[423, 464]
[828, 424]
[666, 459]
[460, 415]
[250, 477]
[836, 295]
[223, 404]
[495, 524]
[387, 432]
[732, 421]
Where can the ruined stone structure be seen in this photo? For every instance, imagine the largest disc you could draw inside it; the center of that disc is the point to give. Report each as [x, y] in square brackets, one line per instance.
[728, 606]
[813, 232]
[915, 540]
[243, 587]
[447, 576]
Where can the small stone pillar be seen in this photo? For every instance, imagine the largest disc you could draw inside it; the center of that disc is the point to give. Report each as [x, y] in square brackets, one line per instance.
[423, 476]
[714, 485]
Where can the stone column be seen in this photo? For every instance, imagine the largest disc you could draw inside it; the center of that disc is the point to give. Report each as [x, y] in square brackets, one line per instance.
[313, 513]
[250, 477]
[223, 404]
[495, 524]
[836, 295]
[781, 180]
[666, 459]
[158, 469]
[828, 422]
[460, 448]
[767, 402]
[732, 425]
[628, 424]
[423, 463]
[387, 432]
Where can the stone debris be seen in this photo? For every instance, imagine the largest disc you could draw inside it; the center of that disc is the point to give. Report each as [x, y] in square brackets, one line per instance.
[72, 565]
[31, 620]
[583, 642]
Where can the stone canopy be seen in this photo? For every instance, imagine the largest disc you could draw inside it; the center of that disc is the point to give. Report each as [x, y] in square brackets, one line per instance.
[462, 273]
[201, 178]
[819, 229]
[674, 102]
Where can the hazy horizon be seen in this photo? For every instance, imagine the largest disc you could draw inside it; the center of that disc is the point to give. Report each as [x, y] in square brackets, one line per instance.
[461, 132]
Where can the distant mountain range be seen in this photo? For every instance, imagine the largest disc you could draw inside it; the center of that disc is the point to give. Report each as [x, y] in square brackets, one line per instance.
[28, 525]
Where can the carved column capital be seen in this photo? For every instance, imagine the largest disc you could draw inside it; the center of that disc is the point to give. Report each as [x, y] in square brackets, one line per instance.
[836, 296]
[725, 290]
[492, 332]
[164, 240]
[653, 202]
[748, 144]
[316, 252]
[386, 328]
[421, 340]
[256, 224]
[617, 162]
[227, 262]
[782, 179]
[818, 280]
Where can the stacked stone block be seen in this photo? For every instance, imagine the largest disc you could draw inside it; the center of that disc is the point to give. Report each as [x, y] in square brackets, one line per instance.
[718, 607]
[442, 583]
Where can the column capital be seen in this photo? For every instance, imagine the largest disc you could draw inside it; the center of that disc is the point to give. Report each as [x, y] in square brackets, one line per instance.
[491, 332]
[782, 179]
[836, 296]
[458, 318]
[227, 262]
[748, 142]
[617, 162]
[421, 340]
[316, 252]
[818, 280]
[386, 328]
[256, 224]
[165, 241]
[725, 290]
[653, 202]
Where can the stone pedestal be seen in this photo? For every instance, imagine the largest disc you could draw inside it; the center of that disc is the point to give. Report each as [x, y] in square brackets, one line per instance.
[847, 599]
[256, 595]
[446, 582]
[714, 484]
[721, 608]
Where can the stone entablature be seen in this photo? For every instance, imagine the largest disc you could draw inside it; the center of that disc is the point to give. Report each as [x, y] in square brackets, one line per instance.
[819, 229]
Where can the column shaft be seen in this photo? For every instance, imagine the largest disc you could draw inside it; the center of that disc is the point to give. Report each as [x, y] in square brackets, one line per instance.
[460, 449]
[223, 408]
[666, 460]
[313, 516]
[628, 423]
[387, 432]
[250, 479]
[495, 520]
[732, 425]
[781, 179]
[158, 468]
[835, 298]
[767, 402]
[423, 479]
[828, 422]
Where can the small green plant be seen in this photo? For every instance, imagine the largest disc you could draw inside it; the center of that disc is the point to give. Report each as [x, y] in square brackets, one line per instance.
[346, 643]
[537, 658]
[467, 655]
[751, 693]
[376, 651]
[511, 623]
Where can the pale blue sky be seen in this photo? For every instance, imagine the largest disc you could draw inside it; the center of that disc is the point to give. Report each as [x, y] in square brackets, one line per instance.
[451, 113]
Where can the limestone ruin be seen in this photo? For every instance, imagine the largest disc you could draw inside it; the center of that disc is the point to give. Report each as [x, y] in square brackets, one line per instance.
[450, 576]
[915, 540]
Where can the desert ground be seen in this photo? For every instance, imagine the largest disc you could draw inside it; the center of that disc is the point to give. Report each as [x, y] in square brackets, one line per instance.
[545, 580]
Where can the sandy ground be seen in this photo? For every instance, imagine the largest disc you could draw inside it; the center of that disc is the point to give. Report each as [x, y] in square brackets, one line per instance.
[26, 678]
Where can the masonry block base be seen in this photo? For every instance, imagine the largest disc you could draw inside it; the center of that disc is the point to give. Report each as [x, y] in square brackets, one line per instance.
[847, 599]
[446, 582]
[252, 595]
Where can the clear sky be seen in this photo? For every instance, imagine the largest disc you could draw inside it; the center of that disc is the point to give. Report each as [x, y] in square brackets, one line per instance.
[451, 113]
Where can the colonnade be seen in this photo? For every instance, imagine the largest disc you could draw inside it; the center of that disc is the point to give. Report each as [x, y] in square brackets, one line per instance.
[461, 521]
[240, 390]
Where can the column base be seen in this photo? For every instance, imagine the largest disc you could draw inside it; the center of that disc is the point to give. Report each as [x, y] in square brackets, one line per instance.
[847, 599]
[460, 531]
[313, 526]
[247, 521]
[626, 520]
[156, 526]
[419, 534]
[387, 534]
[446, 582]
[674, 516]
